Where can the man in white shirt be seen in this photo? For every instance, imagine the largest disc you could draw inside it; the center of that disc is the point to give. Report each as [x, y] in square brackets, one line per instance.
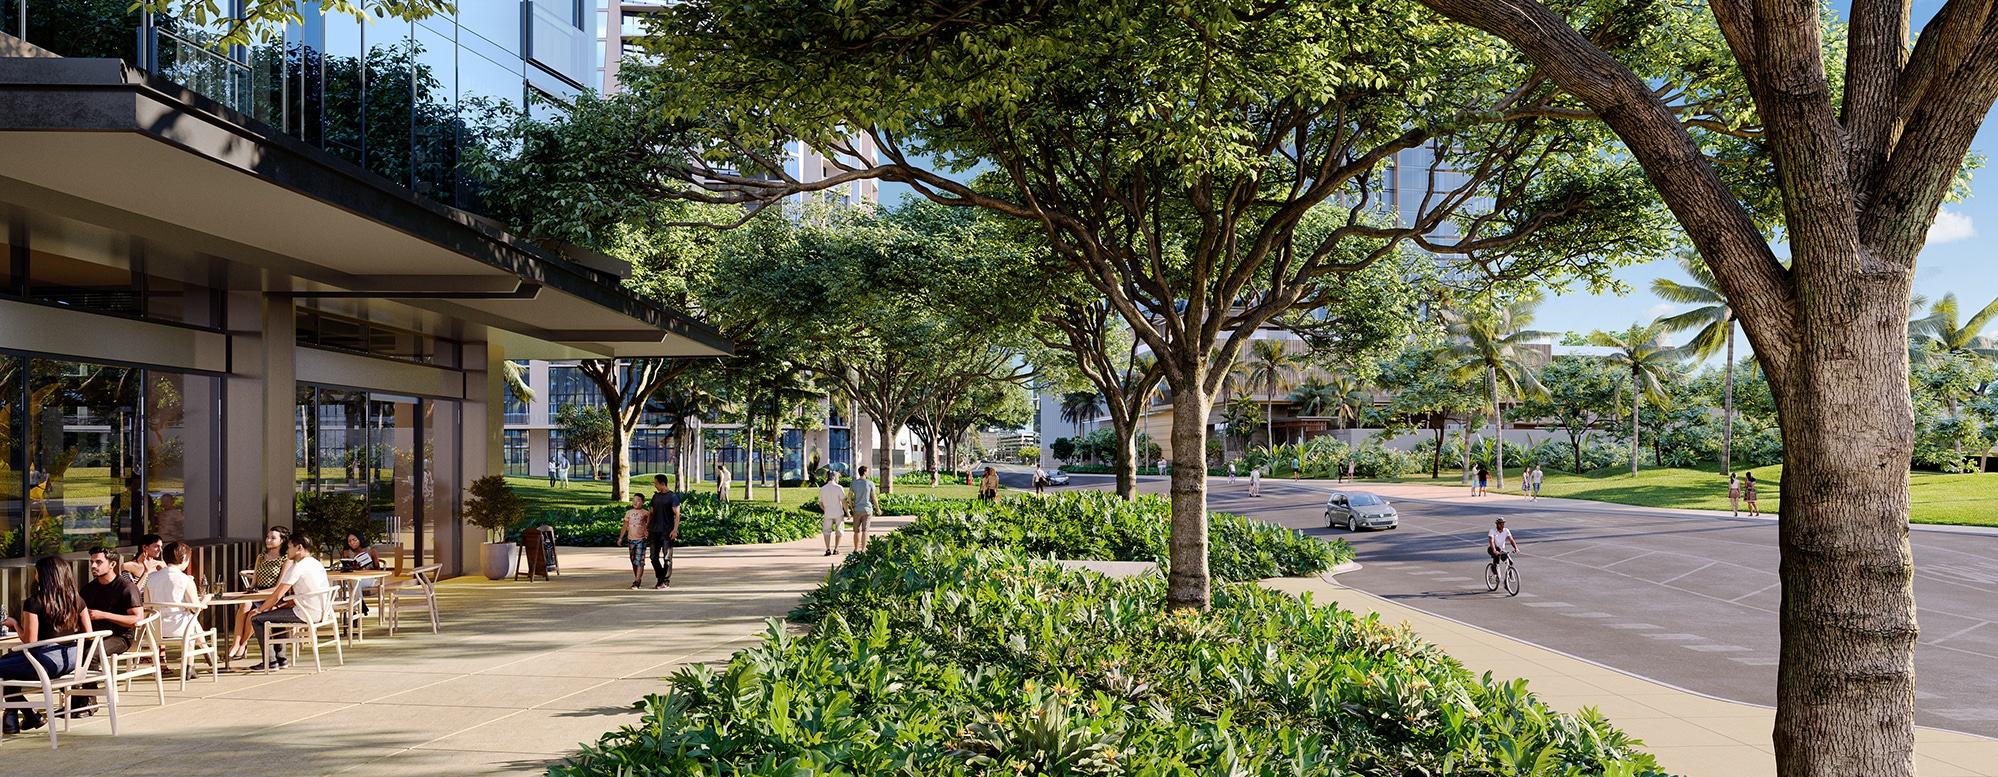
[305, 581]
[1040, 480]
[832, 500]
[1256, 481]
[1499, 542]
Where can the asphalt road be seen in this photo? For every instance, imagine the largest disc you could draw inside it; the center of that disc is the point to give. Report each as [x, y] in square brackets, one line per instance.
[1689, 602]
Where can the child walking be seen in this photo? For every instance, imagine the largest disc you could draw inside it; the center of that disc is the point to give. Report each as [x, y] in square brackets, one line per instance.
[632, 536]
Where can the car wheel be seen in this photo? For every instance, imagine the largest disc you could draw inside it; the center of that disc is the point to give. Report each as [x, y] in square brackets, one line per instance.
[1328, 520]
[1352, 523]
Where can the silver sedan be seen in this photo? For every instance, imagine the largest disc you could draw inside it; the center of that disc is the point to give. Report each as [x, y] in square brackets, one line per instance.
[1358, 510]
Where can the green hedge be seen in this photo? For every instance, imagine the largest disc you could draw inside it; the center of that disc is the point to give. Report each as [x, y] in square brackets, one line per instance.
[922, 478]
[1098, 525]
[933, 659]
[704, 520]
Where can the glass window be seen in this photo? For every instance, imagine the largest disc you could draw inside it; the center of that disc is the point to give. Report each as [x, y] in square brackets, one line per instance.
[498, 21]
[181, 421]
[13, 456]
[81, 265]
[482, 80]
[84, 487]
[515, 447]
[568, 386]
[651, 452]
[392, 69]
[343, 63]
[557, 39]
[434, 115]
[438, 470]
[839, 454]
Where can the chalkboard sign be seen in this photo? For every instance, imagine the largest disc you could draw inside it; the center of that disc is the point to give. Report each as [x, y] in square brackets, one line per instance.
[548, 552]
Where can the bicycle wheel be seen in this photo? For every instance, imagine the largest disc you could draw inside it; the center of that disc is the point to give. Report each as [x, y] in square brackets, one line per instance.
[1511, 580]
[1491, 576]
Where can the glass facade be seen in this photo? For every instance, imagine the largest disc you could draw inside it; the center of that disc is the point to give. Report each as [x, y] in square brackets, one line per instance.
[651, 452]
[398, 98]
[94, 454]
[339, 333]
[60, 261]
[568, 386]
[383, 450]
[516, 451]
[839, 454]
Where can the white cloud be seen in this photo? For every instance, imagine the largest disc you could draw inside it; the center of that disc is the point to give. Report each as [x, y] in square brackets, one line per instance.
[1951, 226]
[1660, 309]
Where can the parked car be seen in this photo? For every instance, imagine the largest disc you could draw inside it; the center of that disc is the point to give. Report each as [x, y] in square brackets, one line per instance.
[1057, 478]
[1358, 510]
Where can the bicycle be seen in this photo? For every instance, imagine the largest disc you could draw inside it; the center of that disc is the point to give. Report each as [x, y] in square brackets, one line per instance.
[1501, 571]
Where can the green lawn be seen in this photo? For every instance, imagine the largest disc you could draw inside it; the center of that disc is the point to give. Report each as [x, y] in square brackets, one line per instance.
[590, 493]
[1935, 497]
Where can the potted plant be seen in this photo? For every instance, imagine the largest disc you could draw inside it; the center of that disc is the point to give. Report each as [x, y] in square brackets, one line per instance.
[494, 506]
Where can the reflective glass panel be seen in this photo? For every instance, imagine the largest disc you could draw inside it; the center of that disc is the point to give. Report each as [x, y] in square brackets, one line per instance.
[343, 63]
[13, 457]
[181, 421]
[84, 486]
[498, 21]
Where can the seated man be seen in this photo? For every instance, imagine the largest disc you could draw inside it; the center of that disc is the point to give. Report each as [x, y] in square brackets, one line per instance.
[114, 602]
[306, 578]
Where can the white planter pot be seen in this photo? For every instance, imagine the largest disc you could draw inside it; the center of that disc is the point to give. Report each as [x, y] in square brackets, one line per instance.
[496, 560]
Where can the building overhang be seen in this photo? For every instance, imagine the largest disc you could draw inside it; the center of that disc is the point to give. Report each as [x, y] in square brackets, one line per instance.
[149, 157]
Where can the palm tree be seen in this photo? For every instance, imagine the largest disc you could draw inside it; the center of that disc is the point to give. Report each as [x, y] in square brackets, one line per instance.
[1940, 333]
[1492, 339]
[1314, 396]
[1715, 319]
[515, 374]
[1642, 350]
[1080, 406]
[1273, 366]
[1353, 398]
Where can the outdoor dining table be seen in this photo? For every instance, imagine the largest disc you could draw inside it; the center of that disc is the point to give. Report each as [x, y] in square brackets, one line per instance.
[236, 599]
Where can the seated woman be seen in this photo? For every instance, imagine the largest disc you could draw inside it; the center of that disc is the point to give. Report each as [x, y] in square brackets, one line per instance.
[270, 566]
[55, 609]
[358, 556]
[147, 561]
[173, 584]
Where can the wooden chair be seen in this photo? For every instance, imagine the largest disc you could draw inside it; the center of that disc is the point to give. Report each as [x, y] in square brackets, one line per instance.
[299, 635]
[136, 662]
[193, 641]
[93, 665]
[350, 604]
[418, 593]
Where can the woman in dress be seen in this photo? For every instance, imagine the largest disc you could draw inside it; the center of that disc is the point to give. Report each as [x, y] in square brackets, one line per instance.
[1748, 493]
[270, 566]
[1734, 493]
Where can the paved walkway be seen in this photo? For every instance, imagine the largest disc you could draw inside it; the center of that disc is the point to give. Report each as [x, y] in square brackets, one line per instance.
[521, 674]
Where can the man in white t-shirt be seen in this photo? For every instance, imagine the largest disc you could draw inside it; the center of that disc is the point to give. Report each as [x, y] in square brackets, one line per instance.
[1499, 542]
[832, 500]
[305, 582]
[1256, 481]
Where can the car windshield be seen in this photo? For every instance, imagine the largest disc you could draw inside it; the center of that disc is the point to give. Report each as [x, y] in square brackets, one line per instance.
[1364, 499]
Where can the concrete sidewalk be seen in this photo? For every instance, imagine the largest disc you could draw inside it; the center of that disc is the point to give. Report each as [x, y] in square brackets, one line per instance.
[1692, 735]
[521, 674]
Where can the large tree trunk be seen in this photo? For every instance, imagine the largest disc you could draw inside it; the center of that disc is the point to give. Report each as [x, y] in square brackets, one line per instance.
[1187, 581]
[1727, 407]
[620, 461]
[776, 449]
[884, 455]
[1125, 455]
[1845, 687]
[1436, 457]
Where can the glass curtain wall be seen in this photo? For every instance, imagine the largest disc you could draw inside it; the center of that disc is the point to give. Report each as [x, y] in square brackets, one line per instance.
[93, 454]
[839, 453]
[397, 455]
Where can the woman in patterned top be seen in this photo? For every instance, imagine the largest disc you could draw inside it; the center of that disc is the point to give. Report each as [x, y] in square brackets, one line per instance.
[269, 567]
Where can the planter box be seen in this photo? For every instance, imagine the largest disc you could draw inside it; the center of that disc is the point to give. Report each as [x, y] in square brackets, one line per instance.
[496, 560]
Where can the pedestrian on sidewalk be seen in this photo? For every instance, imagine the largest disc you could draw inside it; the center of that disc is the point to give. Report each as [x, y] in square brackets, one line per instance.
[832, 502]
[562, 472]
[554, 464]
[1256, 481]
[988, 486]
[1040, 480]
[662, 530]
[1538, 477]
[1231, 473]
[1349, 471]
[632, 536]
[1748, 493]
[721, 482]
[865, 499]
[1294, 469]
[1483, 477]
[1734, 493]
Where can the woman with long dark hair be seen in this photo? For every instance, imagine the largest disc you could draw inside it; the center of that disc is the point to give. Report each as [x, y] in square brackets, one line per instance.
[54, 609]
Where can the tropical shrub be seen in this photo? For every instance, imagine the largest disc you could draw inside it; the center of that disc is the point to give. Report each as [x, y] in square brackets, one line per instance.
[1098, 525]
[922, 478]
[932, 659]
[704, 520]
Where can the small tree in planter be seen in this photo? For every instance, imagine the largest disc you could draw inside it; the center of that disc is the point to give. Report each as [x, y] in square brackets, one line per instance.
[494, 506]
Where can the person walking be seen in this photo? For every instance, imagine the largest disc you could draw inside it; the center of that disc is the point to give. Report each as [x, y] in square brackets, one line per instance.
[554, 469]
[1484, 478]
[1748, 493]
[632, 536]
[865, 501]
[1535, 481]
[562, 472]
[988, 486]
[1231, 473]
[1734, 493]
[1040, 481]
[1295, 469]
[832, 502]
[1349, 471]
[1256, 481]
[721, 482]
[661, 529]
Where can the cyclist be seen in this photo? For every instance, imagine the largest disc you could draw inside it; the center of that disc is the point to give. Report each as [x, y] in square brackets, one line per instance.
[1497, 540]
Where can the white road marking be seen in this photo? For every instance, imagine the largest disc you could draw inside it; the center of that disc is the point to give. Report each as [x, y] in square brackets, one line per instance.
[1588, 615]
[1634, 626]
[1549, 604]
[1676, 577]
[1760, 661]
[1716, 648]
[1674, 636]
